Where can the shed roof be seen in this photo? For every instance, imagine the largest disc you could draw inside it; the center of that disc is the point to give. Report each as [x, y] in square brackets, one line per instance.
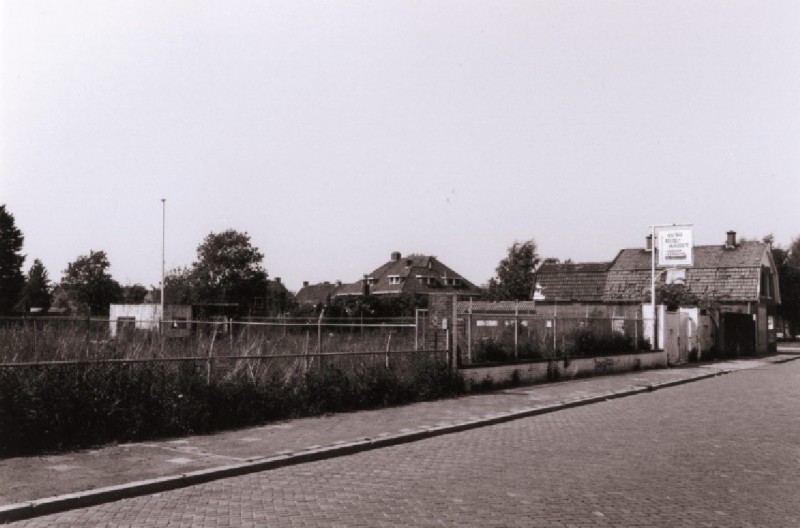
[584, 282]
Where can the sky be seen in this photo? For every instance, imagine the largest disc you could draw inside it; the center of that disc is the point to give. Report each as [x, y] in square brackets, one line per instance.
[337, 132]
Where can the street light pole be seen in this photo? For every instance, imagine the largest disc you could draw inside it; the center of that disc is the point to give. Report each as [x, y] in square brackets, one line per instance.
[653, 284]
[163, 260]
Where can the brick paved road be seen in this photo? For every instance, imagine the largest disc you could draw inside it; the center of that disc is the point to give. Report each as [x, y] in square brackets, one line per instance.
[719, 452]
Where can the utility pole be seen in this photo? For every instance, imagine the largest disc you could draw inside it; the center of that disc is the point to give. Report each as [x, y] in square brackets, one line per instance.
[163, 260]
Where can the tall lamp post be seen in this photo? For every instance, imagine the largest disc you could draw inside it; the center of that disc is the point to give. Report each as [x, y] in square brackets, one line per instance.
[163, 260]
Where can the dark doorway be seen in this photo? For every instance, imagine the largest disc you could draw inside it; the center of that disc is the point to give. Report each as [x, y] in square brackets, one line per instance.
[737, 335]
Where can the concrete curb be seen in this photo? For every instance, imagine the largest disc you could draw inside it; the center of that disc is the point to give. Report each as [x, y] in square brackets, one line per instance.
[61, 503]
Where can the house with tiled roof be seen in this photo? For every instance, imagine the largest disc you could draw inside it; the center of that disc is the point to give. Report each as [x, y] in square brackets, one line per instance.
[316, 294]
[415, 275]
[726, 279]
[412, 275]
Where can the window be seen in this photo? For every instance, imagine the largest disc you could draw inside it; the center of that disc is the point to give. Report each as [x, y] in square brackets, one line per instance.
[394, 279]
[179, 323]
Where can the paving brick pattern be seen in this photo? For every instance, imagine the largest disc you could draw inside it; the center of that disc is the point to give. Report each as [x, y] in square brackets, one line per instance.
[29, 478]
[720, 452]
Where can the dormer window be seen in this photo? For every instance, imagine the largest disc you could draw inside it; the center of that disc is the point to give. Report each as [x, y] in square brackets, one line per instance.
[451, 281]
[372, 281]
[394, 279]
[428, 281]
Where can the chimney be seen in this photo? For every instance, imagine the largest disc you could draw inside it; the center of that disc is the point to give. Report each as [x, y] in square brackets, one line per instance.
[365, 286]
[305, 284]
[730, 242]
[277, 280]
[338, 283]
[648, 243]
[395, 256]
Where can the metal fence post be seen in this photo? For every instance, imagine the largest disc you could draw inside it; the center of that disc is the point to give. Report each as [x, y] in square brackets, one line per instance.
[469, 334]
[455, 332]
[555, 334]
[516, 331]
[319, 336]
[388, 345]
[306, 351]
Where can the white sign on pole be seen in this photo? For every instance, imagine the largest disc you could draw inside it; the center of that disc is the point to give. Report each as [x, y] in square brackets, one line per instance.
[675, 246]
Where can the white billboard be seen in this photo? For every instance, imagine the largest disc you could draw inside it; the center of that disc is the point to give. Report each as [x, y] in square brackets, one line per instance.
[675, 246]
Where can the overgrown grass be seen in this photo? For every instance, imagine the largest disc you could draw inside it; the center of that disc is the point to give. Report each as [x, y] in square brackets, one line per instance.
[54, 407]
[50, 408]
[580, 342]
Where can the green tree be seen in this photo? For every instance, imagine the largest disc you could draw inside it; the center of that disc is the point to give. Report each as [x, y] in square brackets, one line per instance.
[515, 273]
[180, 288]
[228, 270]
[88, 286]
[11, 278]
[36, 292]
[787, 260]
[133, 294]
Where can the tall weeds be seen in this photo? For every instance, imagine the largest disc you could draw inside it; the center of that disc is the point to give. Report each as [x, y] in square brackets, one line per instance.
[45, 408]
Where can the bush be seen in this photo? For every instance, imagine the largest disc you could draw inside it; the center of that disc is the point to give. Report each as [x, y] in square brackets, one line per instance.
[489, 350]
[585, 342]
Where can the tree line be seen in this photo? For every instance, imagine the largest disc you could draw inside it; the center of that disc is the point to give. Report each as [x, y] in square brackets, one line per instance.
[230, 269]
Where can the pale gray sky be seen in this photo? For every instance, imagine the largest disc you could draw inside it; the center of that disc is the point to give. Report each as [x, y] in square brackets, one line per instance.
[336, 132]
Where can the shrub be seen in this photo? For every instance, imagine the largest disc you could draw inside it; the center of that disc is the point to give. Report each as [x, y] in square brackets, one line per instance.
[489, 350]
[585, 342]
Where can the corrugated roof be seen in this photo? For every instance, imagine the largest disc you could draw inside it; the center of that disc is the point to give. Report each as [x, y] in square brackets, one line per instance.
[496, 306]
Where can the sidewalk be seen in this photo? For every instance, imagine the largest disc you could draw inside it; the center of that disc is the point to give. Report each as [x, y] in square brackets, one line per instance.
[34, 486]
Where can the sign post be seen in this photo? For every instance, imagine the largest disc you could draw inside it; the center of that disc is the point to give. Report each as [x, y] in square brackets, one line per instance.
[674, 245]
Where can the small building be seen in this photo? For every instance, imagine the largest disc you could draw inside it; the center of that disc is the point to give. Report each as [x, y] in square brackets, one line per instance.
[129, 317]
[734, 283]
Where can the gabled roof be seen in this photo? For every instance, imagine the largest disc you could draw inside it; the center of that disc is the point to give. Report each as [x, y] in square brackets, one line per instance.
[584, 282]
[725, 274]
[744, 255]
[414, 274]
[313, 294]
[719, 273]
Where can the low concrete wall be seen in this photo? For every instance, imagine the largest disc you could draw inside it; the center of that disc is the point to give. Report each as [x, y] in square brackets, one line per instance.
[558, 369]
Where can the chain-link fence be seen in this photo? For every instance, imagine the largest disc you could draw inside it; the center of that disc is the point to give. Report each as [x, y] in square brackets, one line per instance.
[296, 343]
[492, 337]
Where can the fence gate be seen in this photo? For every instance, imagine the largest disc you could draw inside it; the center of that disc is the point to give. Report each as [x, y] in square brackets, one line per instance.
[677, 332]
